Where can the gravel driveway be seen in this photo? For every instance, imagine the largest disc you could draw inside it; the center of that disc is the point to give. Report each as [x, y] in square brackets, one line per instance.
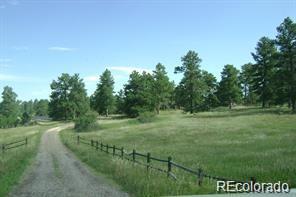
[57, 172]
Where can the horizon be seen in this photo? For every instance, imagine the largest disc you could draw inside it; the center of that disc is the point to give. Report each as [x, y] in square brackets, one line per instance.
[41, 40]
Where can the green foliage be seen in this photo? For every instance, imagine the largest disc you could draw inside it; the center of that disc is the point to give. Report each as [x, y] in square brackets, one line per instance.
[26, 118]
[209, 97]
[8, 108]
[103, 100]
[264, 70]
[162, 88]
[139, 94]
[146, 117]
[119, 102]
[229, 90]
[191, 86]
[68, 99]
[246, 79]
[86, 122]
[286, 40]
[41, 107]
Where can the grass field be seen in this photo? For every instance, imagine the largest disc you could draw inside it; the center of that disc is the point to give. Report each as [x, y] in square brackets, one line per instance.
[238, 144]
[14, 161]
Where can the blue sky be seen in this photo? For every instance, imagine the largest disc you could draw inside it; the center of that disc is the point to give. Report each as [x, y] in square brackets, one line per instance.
[39, 40]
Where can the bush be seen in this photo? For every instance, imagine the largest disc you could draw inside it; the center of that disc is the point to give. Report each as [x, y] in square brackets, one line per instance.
[86, 122]
[146, 116]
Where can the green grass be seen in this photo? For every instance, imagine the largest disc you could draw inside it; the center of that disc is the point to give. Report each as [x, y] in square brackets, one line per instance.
[237, 144]
[13, 162]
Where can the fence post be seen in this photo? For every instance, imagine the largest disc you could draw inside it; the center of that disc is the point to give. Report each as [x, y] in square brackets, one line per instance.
[26, 140]
[107, 148]
[169, 165]
[78, 139]
[92, 142]
[134, 155]
[97, 145]
[113, 150]
[101, 146]
[200, 176]
[121, 152]
[3, 148]
[148, 161]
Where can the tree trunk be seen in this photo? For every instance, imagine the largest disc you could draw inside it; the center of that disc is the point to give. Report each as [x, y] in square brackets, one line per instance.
[230, 104]
[157, 108]
[107, 112]
[263, 103]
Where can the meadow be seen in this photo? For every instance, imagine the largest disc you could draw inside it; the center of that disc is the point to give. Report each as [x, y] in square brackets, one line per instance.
[13, 162]
[237, 144]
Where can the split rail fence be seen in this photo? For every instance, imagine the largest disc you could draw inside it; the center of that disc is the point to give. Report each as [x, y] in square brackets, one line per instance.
[170, 164]
[14, 144]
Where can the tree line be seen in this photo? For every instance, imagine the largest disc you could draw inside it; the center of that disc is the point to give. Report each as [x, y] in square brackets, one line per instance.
[271, 80]
[14, 112]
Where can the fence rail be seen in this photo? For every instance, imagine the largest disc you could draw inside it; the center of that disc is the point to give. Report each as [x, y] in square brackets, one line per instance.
[132, 156]
[14, 144]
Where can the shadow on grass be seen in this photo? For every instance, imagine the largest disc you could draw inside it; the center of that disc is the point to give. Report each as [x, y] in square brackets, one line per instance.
[242, 112]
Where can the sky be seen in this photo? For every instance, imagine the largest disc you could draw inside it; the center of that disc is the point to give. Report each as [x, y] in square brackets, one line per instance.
[40, 39]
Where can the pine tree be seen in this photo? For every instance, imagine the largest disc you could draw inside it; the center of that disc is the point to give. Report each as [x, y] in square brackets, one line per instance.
[210, 99]
[162, 88]
[9, 108]
[103, 100]
[68, 99]
[138, 94]
[264, 70]
[192, 81]
[286, 40]
[246, 77]
[229, 91]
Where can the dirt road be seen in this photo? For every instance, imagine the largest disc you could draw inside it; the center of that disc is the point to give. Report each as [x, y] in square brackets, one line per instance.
[57, 172]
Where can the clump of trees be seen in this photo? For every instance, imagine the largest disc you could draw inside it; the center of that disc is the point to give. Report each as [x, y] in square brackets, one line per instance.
[14, 112]
[271, 80]
[68, 99]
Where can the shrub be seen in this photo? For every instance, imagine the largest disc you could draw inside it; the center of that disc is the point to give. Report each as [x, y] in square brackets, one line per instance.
[146, 116]
[86, 122]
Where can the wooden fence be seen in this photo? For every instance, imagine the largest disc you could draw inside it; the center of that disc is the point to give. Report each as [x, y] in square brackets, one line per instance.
[14, 144]
[170, 164]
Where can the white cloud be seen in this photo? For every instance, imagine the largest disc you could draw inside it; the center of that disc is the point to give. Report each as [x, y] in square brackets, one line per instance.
[129, 69]
[91, 78]
[63, 49]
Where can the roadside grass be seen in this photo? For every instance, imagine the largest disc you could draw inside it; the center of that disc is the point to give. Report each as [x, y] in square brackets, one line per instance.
[236, 144]
[13, 162]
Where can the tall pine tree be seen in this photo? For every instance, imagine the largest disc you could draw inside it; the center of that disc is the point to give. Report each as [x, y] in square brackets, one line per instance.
[264, 70]
[192, 85]
[162, 88]
[103, 100]
[286, 40]
[229, 91]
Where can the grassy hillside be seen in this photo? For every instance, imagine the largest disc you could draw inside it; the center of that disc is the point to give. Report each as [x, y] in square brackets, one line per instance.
[14, 161]
[237, 144]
